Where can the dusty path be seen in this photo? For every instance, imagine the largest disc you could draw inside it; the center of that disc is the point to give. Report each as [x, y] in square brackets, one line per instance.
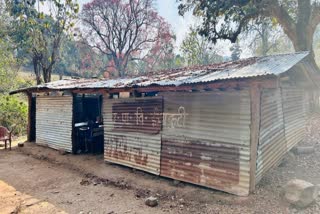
[84, 184]
[12, 201]
[62, 187]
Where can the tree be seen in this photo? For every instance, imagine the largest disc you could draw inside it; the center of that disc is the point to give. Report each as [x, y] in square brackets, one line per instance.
[197, 50]
[91, 62]
[265, 37]
[235, 51]
[261, 39]
[162, 51]
[316, 44]
[40, 33]
[8, 62]
[227, 19]
[124, 30]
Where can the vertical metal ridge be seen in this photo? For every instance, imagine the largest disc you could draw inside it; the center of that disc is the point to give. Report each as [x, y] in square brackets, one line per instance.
[132, 130]
[294, 115]
[206, 139]
[272, 143]
[54, 122]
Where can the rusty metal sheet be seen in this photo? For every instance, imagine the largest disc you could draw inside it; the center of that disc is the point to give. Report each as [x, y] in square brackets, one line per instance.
[294, 115]
[272, 143]
[143, 115]
[199, 162]
[206, 139]
[135, 141]
[215, 116]
[54, 122]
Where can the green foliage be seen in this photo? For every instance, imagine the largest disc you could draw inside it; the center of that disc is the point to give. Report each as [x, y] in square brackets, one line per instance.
[234, 15]
[13, 112]
[40, 34]
[179, 61]
[226, 19]
[265, 38]
[69, 58]
[7, 71]
[197, 50]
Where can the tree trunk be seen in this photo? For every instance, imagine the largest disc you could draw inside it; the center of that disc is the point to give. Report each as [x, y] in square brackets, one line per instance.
[60, 75]
[304, 42]
[36, 69]
[119, 65]
[300, 32]
[46, 74]
[264, 38]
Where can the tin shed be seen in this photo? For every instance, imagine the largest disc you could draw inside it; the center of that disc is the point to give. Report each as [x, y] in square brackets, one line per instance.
[221, 126]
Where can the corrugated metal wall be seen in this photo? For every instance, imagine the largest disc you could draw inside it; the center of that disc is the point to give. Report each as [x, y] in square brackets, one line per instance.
[206, 139]
[54, 122]
[294, 115]
[272, 143]
[132, 132]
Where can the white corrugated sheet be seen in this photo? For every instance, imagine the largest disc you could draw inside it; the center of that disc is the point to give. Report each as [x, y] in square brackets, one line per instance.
[54, 122]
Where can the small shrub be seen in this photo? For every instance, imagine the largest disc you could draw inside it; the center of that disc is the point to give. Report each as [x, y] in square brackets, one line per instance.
[13, 111]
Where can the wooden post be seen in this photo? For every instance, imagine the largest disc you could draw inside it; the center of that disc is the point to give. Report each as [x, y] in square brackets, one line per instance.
[255, 95]
[29, 116]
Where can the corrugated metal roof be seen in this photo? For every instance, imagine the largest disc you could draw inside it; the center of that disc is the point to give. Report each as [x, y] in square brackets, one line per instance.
[251, 67]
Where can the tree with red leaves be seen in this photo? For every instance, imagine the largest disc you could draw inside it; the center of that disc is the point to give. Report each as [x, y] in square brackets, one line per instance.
[124, 30]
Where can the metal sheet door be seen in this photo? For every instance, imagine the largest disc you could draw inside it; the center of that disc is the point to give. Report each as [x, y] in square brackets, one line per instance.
[54, 122]
[132, 132]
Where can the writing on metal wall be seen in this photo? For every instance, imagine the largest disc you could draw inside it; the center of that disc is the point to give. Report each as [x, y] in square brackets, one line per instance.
[138, 116]
[119, 148]
[175, 120]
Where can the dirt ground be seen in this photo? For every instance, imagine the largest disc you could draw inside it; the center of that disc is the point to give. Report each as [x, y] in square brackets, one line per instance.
[12, 201]
[86, 184]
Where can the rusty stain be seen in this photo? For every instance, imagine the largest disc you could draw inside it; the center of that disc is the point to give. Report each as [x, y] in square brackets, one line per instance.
[117, 147]
[209, 164]
[140, 158]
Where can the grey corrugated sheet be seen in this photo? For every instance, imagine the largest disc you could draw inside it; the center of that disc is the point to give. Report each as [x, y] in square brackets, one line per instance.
[269, 65]
[251, 67]
[272, 143]
[307, 102]
[133, 146]
[54, 122]
[206, 139]
[294, 115]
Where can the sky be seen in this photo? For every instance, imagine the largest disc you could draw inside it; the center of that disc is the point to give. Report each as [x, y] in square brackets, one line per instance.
[168, 9]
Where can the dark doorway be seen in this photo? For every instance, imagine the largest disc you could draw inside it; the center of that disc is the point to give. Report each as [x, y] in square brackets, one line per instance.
[87, 125]
[32, 131]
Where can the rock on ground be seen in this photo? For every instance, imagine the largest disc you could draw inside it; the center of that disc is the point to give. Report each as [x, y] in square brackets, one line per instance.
[303, 150]
[151, 201]
[300, 193]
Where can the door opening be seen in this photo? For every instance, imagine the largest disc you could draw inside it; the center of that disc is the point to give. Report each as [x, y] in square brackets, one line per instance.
[88, 124]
